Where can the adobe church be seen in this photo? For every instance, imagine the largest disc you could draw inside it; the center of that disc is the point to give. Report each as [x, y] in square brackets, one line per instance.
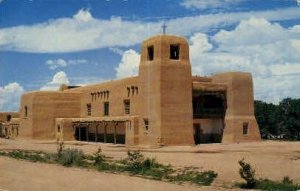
[163, 105]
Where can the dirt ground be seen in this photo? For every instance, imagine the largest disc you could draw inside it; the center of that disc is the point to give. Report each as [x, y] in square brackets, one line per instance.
[271, 159]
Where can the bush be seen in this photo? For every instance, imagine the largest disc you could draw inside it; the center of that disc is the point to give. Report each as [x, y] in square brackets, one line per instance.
[69, 157]
[247, 173]
[285, 185]
[134, 160]
[98, 157]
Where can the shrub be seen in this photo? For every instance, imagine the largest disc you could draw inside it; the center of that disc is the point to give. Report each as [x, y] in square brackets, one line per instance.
[69, 157]
[247, 173]
[134, 160]
[285, 185]
[98, 157]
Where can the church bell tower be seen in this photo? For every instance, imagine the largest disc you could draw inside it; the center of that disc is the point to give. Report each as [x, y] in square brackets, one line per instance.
[166, 91]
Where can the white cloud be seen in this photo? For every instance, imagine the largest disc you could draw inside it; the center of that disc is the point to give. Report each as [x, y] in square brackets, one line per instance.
[204, 4]
[117, 50]
[83, 15]
[266, 50]
[129, 64]
[10, 96]
[60, 63]
[58, 79]
[84, 32]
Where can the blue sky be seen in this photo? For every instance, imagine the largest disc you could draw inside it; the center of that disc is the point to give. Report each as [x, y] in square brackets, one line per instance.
[46, 43]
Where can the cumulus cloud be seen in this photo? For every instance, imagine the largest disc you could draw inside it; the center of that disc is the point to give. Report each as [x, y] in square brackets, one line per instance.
[58, 79]
[60, 63]
[266, 50]
[10, 96]
[83, 15]
[84, 32]
[204, 4]
[129, 64]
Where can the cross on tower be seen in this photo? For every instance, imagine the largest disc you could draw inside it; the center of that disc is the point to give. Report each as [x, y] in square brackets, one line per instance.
[164, 26]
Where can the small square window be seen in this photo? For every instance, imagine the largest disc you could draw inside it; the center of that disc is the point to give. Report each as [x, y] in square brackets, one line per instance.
[150, 50]
[174, 51]
[245, 128]
[146, 124]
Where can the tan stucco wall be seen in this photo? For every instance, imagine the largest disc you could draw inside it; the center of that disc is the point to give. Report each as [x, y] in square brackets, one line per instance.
[3, 115]
[240, 107]
[43, 108]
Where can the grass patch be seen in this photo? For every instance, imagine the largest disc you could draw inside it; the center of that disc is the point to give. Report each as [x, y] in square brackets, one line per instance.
[33, 156]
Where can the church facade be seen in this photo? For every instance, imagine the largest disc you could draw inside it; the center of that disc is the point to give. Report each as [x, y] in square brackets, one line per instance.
[163, 105]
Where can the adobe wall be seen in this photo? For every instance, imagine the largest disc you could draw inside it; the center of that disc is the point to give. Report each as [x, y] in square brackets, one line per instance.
[26, 122]
[240, 107]
[214, 125]
[43, 108]
[4, 115]
[118, 92]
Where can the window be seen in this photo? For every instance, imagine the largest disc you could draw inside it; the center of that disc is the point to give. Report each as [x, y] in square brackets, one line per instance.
[106, 108]
[146, 124]
[127, 106]
[26, 111]
[245, 128]
[150, 50]
[8, 118]
[89, 109]
[174, 51]
[58, 128]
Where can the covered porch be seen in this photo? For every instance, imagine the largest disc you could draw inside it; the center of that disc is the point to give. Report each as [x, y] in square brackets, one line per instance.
[116, 130]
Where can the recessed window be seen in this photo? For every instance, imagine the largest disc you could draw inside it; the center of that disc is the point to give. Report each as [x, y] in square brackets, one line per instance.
[127, 106]
[58, 128]
[26, 111]
[106, 108]
[8, 118]
[150, 51]
[146, 124]
[89, 109]
[174, 51]
[245, 128]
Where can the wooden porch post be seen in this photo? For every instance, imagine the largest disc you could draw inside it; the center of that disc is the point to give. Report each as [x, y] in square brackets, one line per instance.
[96, 134]
[79, 132]
[87, 133]
[115, 132]
[105, 131]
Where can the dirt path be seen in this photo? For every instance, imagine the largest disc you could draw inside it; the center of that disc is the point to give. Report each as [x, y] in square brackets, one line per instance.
[271, 159]
[23, 175]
